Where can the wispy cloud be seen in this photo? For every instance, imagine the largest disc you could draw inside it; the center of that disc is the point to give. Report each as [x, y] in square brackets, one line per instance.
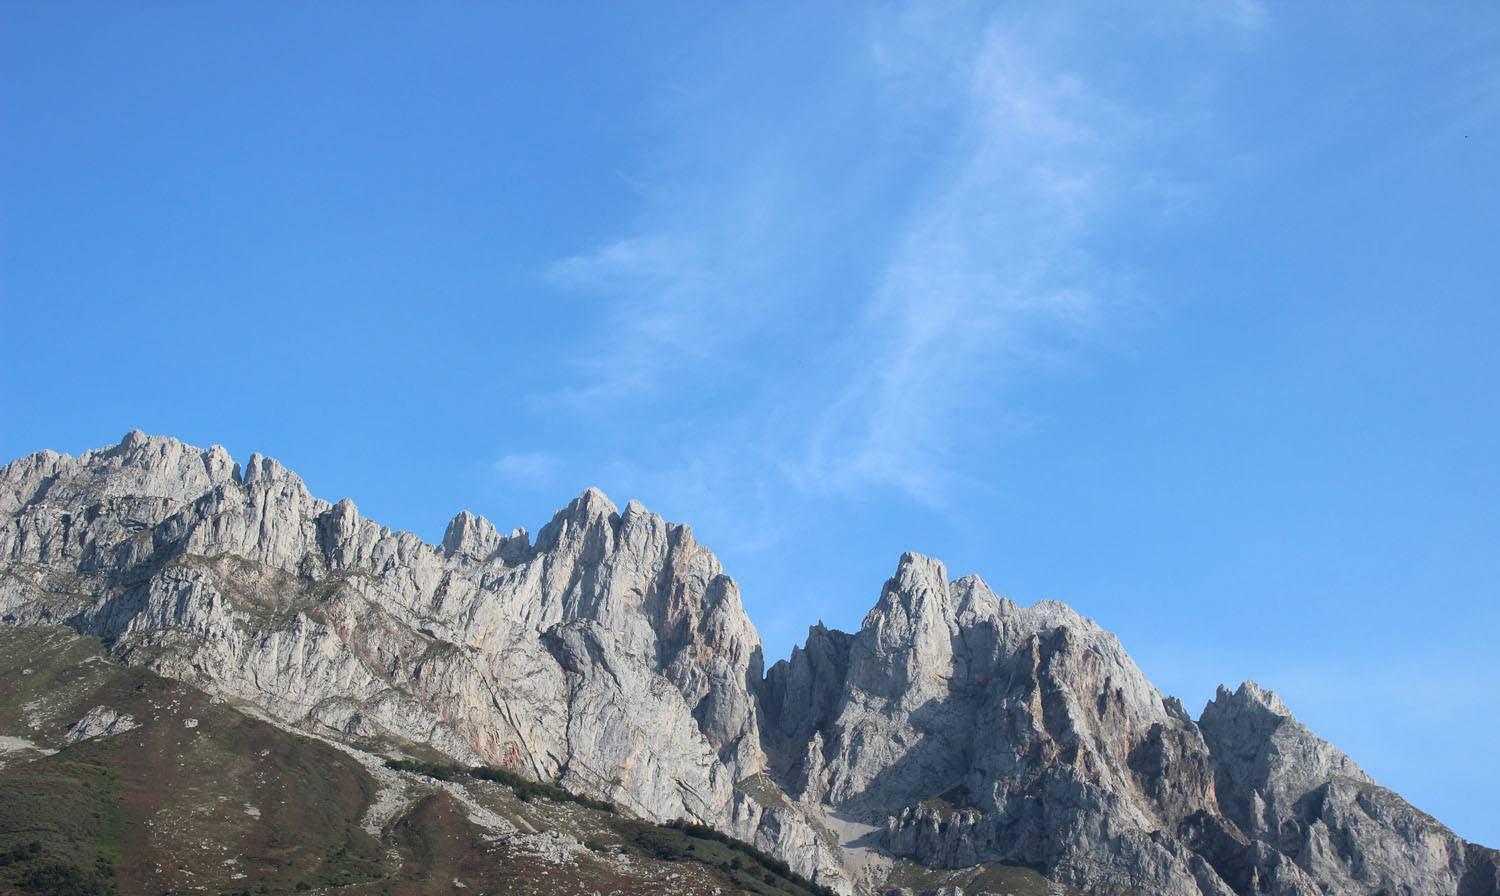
[963, 259]
[1248, 14]
[992, 273]
[737, 201]
[660, 304]
[529, 468]
[655, 258]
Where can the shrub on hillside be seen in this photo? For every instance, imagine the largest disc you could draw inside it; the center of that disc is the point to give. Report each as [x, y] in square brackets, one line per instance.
[525, 789]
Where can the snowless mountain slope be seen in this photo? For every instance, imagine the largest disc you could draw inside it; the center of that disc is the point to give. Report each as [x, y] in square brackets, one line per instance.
[611, 655]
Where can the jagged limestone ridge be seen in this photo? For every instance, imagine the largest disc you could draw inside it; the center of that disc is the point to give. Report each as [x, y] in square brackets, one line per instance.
[613, 655]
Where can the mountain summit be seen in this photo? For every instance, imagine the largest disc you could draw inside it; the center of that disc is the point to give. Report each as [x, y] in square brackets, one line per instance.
[613, 657]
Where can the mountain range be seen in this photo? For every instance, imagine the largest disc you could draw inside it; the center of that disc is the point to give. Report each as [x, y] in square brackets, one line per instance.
[957, 740]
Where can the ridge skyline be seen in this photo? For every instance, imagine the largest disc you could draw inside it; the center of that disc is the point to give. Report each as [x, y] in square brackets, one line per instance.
[584, 500]
[1178, 319]
[614, 657]
[593, 501]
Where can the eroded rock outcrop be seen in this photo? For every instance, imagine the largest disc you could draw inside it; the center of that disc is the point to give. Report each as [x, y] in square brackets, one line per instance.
[242, 581]
[975, 730]
[1297, 794]
[101, 721]
[612, 655]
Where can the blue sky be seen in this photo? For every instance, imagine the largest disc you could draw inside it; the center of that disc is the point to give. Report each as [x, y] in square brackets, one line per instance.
[1182, 312]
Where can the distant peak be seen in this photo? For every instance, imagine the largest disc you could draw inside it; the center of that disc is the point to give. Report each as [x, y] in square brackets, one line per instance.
[582, 513]
[974, 599]
[1250, 695]
[474, 538]
[136, 440]
[1051, 613]
[914, 568]
[919, 589]
[468, 534]
[595, 493]
[268, 469]
[593, 502]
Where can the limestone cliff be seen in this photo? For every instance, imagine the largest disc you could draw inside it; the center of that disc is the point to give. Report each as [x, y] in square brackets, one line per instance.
[612, 655]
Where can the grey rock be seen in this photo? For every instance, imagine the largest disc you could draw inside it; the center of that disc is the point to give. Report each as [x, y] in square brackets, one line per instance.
[243, 582]
[1300, 798]
[612, 655]
[101, 721]
[977, 731]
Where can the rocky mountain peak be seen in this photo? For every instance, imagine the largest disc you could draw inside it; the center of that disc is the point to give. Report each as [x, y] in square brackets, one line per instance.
[1265, 760]
[954, 728]
[917, 595]
[974, 600]
[904, 649]
[469, 534]
[591, 505]
[474, 539]
[165, 455]
[1250, 697]
[141, 466]
[1253, 721]
[589, 518]
[268, 471]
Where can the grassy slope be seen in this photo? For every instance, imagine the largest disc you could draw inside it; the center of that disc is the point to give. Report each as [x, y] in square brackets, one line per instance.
[225, 803]
[169, 806]
[228, 804]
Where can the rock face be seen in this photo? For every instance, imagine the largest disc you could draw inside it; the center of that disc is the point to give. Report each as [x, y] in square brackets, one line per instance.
[1288, 789]
[981, 731]
[613, 656]
[101, 721]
